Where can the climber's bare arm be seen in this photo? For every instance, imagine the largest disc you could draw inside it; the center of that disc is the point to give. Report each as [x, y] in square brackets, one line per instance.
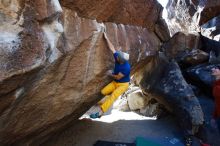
[110, 45]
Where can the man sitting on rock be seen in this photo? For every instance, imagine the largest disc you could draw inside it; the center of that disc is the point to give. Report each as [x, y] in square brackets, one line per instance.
[216, 93]
[121, 75]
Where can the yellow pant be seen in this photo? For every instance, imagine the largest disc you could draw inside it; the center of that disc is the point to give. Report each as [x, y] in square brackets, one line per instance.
[113, 90]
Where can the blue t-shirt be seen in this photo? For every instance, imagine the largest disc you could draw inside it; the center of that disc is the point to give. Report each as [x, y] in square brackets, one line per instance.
[122, 68]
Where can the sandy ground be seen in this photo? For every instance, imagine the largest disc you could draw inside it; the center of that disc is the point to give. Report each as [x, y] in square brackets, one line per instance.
[118, 126]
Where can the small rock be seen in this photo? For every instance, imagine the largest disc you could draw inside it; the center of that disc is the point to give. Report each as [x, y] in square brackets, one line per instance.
[137, 100]
[150, 110]
[121, 104]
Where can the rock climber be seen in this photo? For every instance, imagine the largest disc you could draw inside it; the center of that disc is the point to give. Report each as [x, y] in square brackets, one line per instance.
[121, 76]
[215, 122]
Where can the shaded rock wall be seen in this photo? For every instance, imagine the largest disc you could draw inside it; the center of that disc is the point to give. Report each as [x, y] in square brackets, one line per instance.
[167, 85]
[54, 59]
[180, 42]
[53, 62]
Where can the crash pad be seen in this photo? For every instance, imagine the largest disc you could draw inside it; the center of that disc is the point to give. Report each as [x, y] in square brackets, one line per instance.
[140, 141]
[107, 143]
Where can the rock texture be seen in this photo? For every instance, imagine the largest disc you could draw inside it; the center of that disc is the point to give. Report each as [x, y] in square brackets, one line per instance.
[212, 47]
[53, 62]
[210, 10]
[166, 83]
[181, 42]
[54, 59]
[211, 29]
[137, 100]
[162, 30]
[201, 75]
[192, 57]
[187, 16]
[136, 12]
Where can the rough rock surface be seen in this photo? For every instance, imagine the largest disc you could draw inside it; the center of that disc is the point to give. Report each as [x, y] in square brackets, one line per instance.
[137, 100]
[212, 47]
[166, 83]
[192, 57]
[162, 31]
[201, 74]
[181, 42]
[151, 110]
[211, 29]
[188, 15]
[210, 10]
[136, 12]
[54, 59]
[53, 62]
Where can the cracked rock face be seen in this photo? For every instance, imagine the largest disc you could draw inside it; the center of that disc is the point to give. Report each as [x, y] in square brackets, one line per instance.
[54, 59]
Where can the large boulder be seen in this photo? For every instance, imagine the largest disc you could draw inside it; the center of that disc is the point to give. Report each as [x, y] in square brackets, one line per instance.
[54, 64]
[166, 83]
[136, 12]
[181, 42]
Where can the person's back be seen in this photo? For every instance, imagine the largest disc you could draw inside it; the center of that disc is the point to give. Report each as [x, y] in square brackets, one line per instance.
[124, 68]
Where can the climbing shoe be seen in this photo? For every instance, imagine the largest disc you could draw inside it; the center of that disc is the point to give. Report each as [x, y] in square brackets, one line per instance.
[95, 115]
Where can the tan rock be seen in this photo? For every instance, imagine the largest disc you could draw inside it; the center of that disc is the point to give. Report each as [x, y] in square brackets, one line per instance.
[47, 8]
[134, 12]
[52, 78]
[137, 100]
